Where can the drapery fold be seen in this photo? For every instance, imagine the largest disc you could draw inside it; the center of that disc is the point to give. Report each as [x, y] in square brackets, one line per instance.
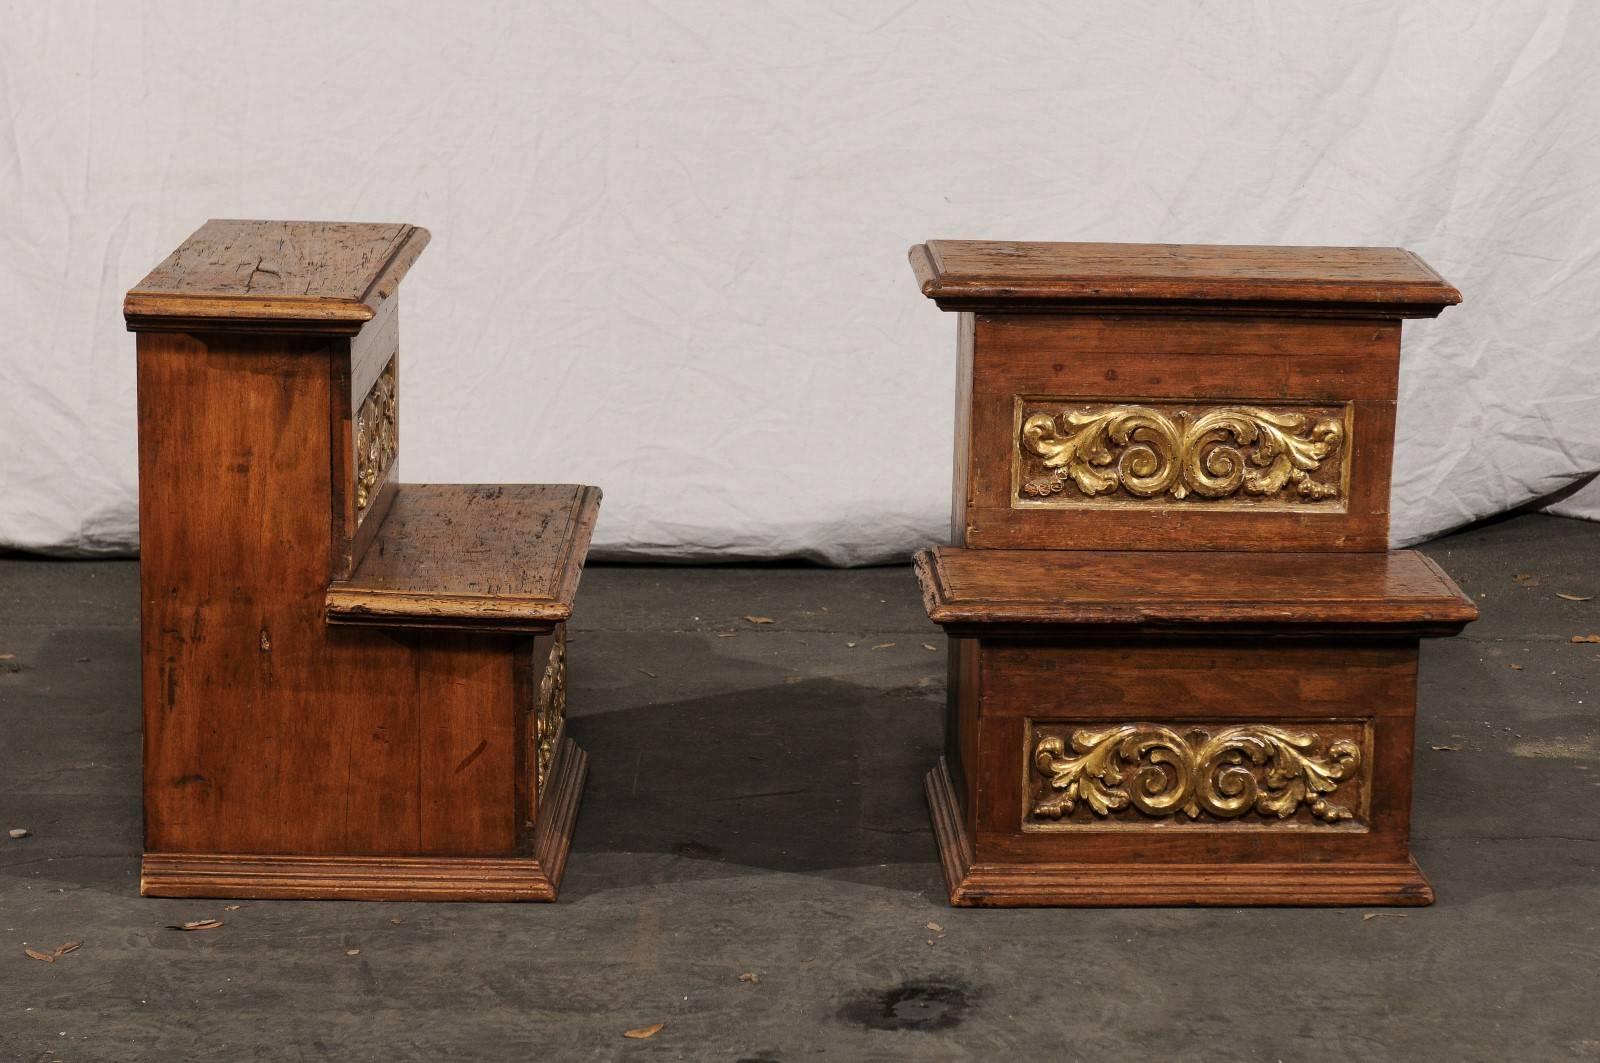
[669, 238]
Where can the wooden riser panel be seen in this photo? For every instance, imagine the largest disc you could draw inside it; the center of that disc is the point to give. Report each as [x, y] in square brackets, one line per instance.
[1280, 364]
[267, 731]
[1365, 685]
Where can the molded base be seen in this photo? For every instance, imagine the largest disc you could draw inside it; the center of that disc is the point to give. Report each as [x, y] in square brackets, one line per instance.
[389, 878]
[1068, 885]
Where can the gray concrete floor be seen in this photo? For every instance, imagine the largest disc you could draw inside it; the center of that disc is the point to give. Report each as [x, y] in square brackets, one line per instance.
[753, 865]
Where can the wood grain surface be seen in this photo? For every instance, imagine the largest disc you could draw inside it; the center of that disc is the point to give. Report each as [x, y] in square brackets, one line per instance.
[531, 876]
[308, 276]
[265, 730]
[1400, 592]
[1254, 361]
[491, 557]
[1375, 281]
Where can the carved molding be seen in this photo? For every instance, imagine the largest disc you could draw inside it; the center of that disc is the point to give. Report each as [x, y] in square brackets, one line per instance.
[1223, 456]
[1213, 773]
[552, 707]
[377, 440]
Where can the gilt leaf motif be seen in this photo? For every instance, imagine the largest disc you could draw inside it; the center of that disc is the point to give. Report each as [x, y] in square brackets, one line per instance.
[1147, 452]
[377, 440]
[1199, 773]
[551, 710]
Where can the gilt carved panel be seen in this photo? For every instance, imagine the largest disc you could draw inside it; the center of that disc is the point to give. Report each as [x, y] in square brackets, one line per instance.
[1301, 775]
[551, 710]
[1220, 456]
[377, 439]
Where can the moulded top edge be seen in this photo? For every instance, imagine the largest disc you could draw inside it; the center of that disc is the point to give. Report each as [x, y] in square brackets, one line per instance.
[304, 275]
[969, 274]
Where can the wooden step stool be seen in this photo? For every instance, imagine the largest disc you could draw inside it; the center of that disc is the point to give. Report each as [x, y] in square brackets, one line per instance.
[1182, 659]
[353, 687]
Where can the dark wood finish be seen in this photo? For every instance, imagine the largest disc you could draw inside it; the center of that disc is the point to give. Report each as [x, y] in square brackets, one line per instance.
[1352, 687]
[328, 278]
[532, 877]
[284, 755]
[503, 557]
[1211, 676]
[974, 274]
[1182, 660]
[1400, 593]
[972, 883]
[1247, 361]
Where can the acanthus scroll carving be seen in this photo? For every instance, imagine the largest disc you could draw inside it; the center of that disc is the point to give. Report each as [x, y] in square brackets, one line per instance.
[552, 706]
[1222, 773]
[1143, 451]
[377, 438]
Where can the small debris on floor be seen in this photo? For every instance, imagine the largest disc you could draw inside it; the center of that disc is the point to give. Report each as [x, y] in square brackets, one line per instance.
[884, 646]
[1446, 749]
[196, 924]
[930, 646]
[750, 976]
[1586, 638]
[647, 672]
[1515, 667]
[760, 619]
[232, 907]
[19, 832]
[644, 1031]
[352, 952]
[936, 928]
[52, 957]
[1370, 916]
[1575, 597]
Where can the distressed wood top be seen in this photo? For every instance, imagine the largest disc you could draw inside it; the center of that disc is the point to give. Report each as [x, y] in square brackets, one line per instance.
[304, 276]
[1190, 590]
[502, 557]
[987, 274]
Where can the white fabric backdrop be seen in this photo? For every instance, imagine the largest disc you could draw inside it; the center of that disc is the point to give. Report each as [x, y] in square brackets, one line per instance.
[669, 238]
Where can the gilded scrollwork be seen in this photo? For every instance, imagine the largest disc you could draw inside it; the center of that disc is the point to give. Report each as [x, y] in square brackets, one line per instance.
[1146, 452]
[552, 706]
[1200, 773]
[376, 437]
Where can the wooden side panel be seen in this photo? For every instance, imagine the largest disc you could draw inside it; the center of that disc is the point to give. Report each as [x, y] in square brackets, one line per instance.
[265, 730]
[960, 491]
[1276, 364]
[961, 725]
[532, 663]
[468, 754]
[355, 372]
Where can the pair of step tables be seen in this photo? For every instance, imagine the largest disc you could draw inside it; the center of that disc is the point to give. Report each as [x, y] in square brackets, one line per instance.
[1182, 659]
